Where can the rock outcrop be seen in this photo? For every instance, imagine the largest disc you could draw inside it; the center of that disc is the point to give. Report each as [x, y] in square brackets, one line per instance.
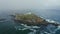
[31, 19]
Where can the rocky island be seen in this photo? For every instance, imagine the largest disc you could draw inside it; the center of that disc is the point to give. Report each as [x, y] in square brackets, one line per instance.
[31, 20]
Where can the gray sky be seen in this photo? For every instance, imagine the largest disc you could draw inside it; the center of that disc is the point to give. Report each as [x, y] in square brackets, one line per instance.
[28, 4]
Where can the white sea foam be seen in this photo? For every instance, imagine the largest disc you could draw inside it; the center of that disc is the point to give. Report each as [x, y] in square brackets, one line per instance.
[46, 32]
[48, 20]
[58, 27]
[34, 31]
[51, 21]
[25, 27]
[41, 16]
[35, 27]
[30, 27]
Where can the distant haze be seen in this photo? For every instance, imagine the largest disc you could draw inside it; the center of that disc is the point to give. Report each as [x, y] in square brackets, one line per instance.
[46, 8]
[29, 4]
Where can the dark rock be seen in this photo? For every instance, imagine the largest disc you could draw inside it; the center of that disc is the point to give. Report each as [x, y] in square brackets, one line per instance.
[31, 19]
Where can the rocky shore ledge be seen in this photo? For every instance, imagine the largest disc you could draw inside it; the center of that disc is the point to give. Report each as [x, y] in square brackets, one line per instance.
[31, 20]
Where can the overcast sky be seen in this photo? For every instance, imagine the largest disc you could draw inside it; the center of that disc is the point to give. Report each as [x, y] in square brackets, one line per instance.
[29, 4]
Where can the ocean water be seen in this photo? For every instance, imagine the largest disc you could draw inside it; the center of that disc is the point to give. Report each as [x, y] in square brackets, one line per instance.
[8, 26]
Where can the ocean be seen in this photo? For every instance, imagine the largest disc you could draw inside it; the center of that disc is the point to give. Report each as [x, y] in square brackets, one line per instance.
[8, 26]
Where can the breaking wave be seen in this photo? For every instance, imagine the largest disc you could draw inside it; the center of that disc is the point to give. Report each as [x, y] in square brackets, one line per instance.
[50, 29]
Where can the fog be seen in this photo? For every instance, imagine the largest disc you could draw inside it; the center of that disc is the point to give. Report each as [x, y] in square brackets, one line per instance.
[45, 8]
[29, 4]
